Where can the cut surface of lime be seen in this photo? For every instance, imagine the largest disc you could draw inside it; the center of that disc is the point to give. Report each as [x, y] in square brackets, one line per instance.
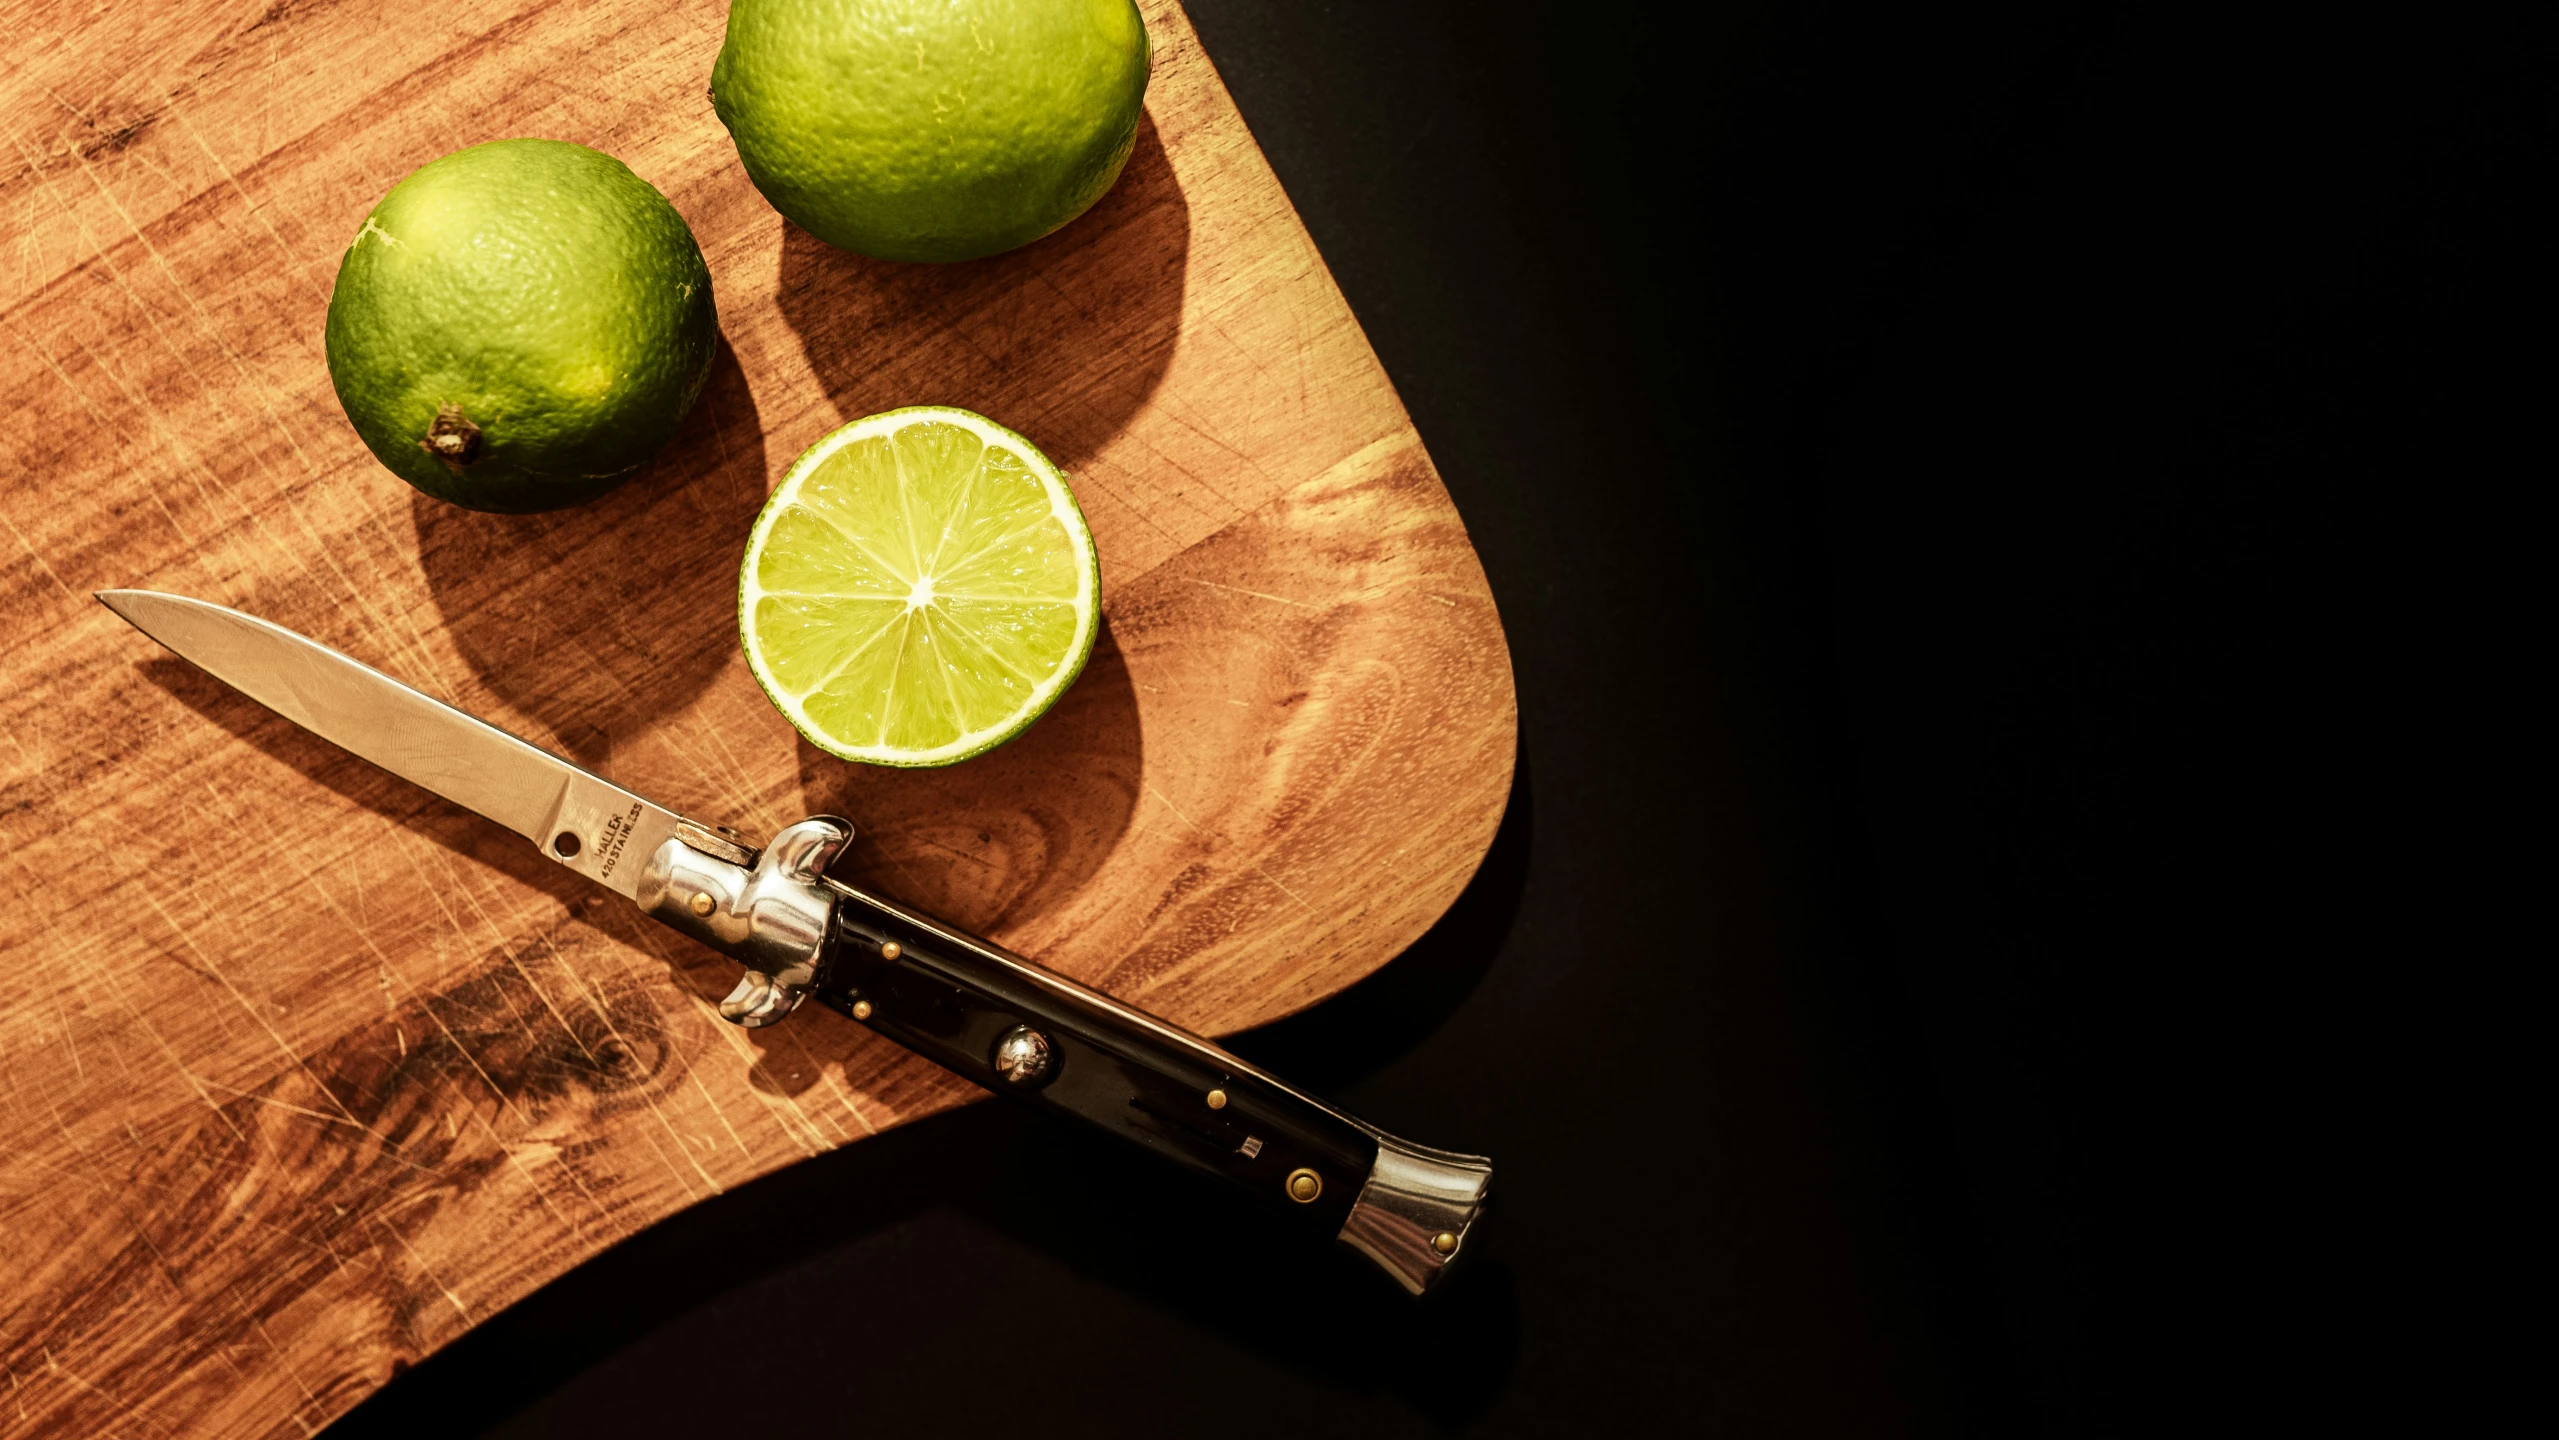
[919, 588]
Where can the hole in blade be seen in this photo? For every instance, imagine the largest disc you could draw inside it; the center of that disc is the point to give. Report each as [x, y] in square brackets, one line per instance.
[565, 844]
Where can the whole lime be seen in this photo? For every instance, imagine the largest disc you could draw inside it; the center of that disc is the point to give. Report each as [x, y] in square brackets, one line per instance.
[520, 325]
[932, 129]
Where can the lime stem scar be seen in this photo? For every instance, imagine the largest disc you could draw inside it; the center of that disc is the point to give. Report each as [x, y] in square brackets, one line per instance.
[452, 439]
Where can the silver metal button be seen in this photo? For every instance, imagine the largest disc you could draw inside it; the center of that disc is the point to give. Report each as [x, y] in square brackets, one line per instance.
[1024, 1058]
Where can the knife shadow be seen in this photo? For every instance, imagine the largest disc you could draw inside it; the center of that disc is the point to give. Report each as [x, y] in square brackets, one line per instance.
[378, 790]
[1063, 339]
[599, 619]
[884, 1279]
[946, 1225]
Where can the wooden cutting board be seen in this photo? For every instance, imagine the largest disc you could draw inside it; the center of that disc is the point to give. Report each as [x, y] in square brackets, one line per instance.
[303, 1072]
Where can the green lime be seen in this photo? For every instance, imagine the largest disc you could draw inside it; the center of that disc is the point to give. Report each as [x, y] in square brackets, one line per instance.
[919, 589]
[520, 325]
[932, 129]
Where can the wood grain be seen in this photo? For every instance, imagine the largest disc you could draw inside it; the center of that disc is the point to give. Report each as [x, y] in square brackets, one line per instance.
[302, 1071]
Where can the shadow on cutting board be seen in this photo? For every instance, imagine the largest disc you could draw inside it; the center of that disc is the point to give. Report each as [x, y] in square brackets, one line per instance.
[1062, 340]
[923, 1240]
[588, 621]
[601, 618]
[1007, 835]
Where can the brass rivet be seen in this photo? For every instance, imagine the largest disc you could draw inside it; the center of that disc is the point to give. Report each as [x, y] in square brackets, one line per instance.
[1304, 1185]
[702, 903]
[861, 1009]
[1445, 1242]
[1217, 1099]
[890, 950]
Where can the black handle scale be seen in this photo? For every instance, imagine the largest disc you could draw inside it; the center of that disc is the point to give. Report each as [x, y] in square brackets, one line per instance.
[953, 998]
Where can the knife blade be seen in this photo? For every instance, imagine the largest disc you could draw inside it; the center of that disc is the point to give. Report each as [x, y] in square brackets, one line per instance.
[1002, 1020]
[422, 740]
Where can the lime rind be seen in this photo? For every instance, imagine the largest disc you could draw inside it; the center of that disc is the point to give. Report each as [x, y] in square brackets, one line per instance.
[534, 296]
[829, 580]
[971, 129]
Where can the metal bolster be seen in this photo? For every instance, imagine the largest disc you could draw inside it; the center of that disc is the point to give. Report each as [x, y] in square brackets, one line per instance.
[1413, 1215]
[768, 911]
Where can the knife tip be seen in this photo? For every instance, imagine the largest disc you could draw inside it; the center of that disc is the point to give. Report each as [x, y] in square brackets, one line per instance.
[117, 601]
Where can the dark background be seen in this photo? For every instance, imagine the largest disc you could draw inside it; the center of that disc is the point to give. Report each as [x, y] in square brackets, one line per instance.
[1957, 482]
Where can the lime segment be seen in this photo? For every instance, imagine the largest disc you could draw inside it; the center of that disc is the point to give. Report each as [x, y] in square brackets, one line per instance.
[919, 589]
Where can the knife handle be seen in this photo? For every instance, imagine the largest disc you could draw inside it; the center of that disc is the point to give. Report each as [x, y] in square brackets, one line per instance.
[1038, 1037]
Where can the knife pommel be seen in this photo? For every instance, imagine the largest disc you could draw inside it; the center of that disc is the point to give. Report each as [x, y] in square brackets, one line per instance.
[1413, 1214]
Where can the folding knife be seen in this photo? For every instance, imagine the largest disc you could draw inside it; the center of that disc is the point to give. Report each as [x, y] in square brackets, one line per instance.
[965, 1003]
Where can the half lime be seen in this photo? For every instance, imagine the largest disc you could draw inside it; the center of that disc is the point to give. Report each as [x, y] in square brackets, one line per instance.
[919, 589]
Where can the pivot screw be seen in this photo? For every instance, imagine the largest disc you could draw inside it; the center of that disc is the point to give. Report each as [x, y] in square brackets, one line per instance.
[1445, 1242]
[1304, 1185]
[890, 950]
[1217, 1099]
[861, 1009]
[702, 903]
